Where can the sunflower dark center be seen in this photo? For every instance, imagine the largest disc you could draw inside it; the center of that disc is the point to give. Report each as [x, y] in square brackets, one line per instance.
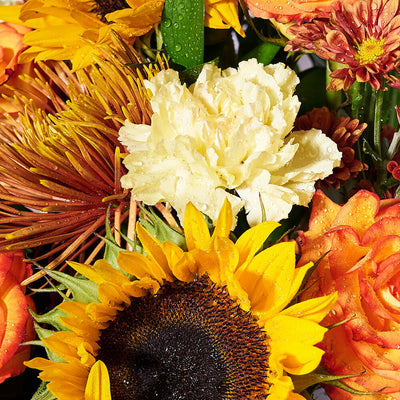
[189, 342]
[103, 7]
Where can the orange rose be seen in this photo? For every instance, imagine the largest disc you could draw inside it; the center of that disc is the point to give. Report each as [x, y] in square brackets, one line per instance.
[11, 46]
[290, 10]
[16, 324]
[363, 265]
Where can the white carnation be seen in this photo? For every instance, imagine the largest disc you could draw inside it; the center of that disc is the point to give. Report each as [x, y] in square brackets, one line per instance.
[229, 130]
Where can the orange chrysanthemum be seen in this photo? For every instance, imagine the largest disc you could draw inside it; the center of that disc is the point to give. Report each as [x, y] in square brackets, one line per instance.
[62, 167]
[364, 37]
[345, 132]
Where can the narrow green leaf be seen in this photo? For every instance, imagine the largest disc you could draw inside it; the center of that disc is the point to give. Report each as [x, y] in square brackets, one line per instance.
[264, 53]
[159, 229]
[50, 318]
[302, 382]
[182, 29]
[82, 289]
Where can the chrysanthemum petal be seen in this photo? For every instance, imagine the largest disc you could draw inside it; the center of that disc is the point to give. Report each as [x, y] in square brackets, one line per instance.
[98, 383]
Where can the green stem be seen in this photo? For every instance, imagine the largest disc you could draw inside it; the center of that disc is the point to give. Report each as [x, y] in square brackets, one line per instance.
[377, 121]
[334, 99]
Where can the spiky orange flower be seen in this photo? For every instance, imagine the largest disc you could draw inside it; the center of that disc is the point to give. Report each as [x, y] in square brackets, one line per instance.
[63, 170]
[364, 37]
[344, 132]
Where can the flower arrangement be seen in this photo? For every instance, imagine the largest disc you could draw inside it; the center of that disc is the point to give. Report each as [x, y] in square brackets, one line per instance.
[199, 199]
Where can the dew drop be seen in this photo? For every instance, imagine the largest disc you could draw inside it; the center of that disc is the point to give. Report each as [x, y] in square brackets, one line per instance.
[167, 22]
[178, 47]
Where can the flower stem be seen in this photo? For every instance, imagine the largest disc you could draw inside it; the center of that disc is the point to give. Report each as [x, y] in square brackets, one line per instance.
[378, 121]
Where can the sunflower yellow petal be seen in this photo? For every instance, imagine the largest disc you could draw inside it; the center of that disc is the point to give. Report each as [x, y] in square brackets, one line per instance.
[252, 239]
[208, 263]
[141, 287]
[153, 250]
[293, 340]
[139, 266]
[299, 359]
[65, 344]
[223, 225]
[111, 295]
[186, 269]
[222, 14]
[312, 309]
[298, 278]
[98, 383]
[85, 352]
[181, 263]
[268, 278]
[228, 257]
[100, 312]
[197, 234]
[11, 14]
[281, 388]
[51, 370]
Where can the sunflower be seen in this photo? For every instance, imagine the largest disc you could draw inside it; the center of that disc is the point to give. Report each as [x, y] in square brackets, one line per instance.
[67, 30]
[207, 322]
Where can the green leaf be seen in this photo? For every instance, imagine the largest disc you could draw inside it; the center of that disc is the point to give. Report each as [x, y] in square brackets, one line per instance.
[43, 334]
[264, 53]
[311, 89]
[50, 318]
[190, 75]
[82, 289]
[182, 29]
[42, 393]
[159, 229]
[302, 382]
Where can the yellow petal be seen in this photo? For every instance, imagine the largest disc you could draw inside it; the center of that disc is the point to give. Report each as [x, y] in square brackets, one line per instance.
[224, 222]
[141, 287]
[11, 14]
[153, 250]
[252, 239]
[139, 266]
[268, 278]
[111, 295]
[222, 14]
[196, 230]
[299, 359]
[312, 309]
[298, 278]
[228, 257]
[293, 340]
[181, 264]
[98, 383]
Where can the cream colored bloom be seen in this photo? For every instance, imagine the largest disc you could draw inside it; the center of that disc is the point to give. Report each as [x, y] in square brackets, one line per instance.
[229, 130]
